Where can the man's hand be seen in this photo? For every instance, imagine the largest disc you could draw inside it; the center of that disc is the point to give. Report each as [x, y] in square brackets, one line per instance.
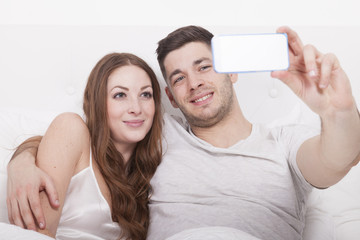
[25, 181]
[316, 78]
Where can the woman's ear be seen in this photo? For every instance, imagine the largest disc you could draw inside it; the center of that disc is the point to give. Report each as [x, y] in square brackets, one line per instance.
[171, 98]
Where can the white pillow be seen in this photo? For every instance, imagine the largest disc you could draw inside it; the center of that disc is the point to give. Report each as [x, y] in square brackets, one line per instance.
[319, 224]
[342, 201]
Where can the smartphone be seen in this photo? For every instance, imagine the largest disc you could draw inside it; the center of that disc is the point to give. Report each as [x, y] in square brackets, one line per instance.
[250, 52]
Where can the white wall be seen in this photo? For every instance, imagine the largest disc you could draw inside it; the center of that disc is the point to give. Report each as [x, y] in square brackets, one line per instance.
[47, 47]
[184, 12]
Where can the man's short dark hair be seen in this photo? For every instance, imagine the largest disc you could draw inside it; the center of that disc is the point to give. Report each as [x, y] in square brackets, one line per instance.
[179, 38]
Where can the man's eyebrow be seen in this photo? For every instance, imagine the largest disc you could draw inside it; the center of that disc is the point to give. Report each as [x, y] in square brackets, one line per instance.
[177, 71]
[197, 62]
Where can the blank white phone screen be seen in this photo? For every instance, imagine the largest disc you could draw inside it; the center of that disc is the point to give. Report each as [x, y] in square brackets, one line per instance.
[250, 52]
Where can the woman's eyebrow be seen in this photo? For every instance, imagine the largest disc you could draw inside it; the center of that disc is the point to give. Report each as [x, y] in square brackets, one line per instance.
[118, 86]
[147, 86]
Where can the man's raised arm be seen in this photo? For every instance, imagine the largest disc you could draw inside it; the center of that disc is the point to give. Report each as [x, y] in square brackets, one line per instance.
[322, 84]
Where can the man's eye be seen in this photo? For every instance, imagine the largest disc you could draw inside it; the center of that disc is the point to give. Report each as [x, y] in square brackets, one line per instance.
[204, 67]
[178, 79]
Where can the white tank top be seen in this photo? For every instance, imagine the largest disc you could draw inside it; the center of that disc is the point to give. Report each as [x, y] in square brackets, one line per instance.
[86, 214]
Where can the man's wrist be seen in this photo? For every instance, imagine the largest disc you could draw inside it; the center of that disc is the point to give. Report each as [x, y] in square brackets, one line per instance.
[25, 157]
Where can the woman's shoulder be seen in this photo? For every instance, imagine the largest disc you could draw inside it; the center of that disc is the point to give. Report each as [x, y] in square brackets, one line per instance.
[70, 123]
[73, 135]
[71, 131]
[69, 117]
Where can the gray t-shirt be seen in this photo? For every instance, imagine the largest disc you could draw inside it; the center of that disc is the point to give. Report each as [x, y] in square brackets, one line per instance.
[254, 186]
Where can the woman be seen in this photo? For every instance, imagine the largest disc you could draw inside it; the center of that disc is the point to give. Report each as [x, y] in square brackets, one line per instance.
[102, 167]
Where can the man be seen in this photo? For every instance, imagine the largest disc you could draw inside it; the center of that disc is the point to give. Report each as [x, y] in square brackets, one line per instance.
[219, 170]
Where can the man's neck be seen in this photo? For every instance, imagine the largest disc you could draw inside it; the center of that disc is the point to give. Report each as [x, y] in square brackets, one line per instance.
[227, 132]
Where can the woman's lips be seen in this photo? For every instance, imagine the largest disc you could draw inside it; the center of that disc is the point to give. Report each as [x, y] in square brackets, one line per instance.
[134, 123]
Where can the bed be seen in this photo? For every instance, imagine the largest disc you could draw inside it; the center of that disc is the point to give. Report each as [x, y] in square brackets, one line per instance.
[44, 70]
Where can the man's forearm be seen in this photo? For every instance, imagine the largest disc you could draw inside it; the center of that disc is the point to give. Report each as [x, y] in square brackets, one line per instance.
[29, 146]
[340, 139]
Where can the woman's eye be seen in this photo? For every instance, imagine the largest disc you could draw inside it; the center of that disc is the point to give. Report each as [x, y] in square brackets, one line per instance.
[120, 95]
[147, 94]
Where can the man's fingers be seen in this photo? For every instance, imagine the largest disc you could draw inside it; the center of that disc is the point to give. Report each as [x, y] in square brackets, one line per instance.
[28, 218]
[318, 66]
[51, 192]
[35, 204]
[25, 211]
[329, 64]
[9, 209]
[279, 74]
[15, 213]
[311, 54]
[295, 44]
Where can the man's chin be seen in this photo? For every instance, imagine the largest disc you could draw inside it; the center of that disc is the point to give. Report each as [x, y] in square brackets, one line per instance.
[202, 120]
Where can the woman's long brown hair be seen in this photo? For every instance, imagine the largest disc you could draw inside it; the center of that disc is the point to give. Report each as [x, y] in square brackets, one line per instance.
[129, 183]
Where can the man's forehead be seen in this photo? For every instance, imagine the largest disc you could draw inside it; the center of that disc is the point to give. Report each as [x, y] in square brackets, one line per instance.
[187, 54]
[192, 48]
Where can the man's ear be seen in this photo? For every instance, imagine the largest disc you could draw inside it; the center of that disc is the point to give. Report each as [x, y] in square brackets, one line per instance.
[233, 77]
[171, 98]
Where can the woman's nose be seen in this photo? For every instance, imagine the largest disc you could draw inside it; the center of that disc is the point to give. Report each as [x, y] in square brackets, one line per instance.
[134, 107]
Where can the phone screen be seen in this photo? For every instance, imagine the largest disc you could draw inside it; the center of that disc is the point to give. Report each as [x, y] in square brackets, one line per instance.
[250, 52]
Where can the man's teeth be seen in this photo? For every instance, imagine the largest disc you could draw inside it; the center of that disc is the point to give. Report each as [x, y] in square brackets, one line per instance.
[203, 98]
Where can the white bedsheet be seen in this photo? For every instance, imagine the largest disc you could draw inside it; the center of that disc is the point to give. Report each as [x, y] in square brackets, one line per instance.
[212, 233]
[11, 232]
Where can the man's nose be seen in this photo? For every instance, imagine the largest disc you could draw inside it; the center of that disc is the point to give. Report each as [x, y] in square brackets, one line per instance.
[195, 81]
